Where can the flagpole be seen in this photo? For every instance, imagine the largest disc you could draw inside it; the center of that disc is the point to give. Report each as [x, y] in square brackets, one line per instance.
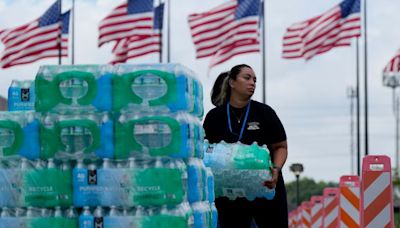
[59, 34]
[73, 33]
[168, 32]
[264, 72]
[161, 36]
[358, 105]
[366, 77]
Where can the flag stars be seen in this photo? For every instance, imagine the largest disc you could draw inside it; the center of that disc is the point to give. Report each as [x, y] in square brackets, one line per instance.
[247, 8]
[349, 6]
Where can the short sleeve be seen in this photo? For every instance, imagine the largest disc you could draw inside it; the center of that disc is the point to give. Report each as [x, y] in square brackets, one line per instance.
[210, 133]
[276, 130]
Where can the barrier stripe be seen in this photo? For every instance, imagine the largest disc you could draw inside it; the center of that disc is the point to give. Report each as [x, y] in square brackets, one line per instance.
[377, 206]
[331, 211]
[317, 208]
[380, 183]
[347, 220]
[352, 196]
[384, 215]
[349, 201]
[316, 214]
[306, 214]
[372, 176]
[351, 211]
[376, 194]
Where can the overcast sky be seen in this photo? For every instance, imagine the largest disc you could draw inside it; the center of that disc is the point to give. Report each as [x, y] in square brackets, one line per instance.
[309, 97]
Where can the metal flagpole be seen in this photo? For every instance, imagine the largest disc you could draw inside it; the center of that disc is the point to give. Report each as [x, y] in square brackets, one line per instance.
[358, 106]
[264, 71]
[161, 35]
[73, 34]
[59, 34]
[168, 32]
[366, 77]
[351, 94]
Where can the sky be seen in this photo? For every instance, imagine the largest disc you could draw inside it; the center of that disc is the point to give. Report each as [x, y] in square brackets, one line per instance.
[309, 97]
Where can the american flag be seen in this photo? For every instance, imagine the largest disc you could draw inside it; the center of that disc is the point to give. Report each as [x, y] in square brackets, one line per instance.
[394, 65]
[320, 34]
[36, 40]
[134, 17]
[227, 30]
[139, 45]
[391, 72]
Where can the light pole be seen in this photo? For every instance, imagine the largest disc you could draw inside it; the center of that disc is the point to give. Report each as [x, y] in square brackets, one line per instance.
[392, 80]
[297, 168]
[351, 94]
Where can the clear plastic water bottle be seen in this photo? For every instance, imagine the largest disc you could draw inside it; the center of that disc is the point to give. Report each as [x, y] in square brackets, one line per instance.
[86, 219]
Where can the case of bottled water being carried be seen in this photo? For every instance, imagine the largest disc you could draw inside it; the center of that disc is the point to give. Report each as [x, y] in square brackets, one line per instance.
[150, 182]
[36, 183]
[65, 88]
[239, 170]
[19, 134]
[179, 216]
[157, 88]
[21, 95]
[73, 136]
[176, 135]
[31, 217]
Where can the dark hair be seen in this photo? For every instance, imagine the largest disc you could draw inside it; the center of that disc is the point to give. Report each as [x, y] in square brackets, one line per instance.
[216, 89]
[225, 90]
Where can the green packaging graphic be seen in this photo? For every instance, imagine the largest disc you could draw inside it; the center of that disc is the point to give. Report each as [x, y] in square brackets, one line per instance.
[157, 186]
[49, 187]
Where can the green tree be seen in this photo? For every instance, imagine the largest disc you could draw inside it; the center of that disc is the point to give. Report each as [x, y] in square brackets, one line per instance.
[307, 188]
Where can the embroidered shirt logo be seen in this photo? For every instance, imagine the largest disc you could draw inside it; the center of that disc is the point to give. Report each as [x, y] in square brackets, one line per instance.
[253, 126]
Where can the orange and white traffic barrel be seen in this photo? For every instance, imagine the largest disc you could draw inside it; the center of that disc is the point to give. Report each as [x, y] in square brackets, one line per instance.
[331, 208]
[349, 202]
[376, 192]
[317, 208]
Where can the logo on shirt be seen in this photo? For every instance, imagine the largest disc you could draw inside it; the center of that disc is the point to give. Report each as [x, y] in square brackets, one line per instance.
[253, 126]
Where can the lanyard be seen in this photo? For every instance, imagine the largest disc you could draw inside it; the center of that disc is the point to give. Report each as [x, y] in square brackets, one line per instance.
[244, 121]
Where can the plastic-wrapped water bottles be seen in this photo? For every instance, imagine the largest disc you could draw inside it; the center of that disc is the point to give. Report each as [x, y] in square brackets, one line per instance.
[38, 217]
[19, 134]
[202, 214]
[156, 88]
[21, 95]
[210, 185]
[197, 180]
[35, 183]
[138, 217]
[66, 88]
[239, 170]
[170, 135]
[77, 136]
[153, 182]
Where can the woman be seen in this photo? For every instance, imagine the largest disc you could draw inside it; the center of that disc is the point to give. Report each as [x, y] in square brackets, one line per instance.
[238, 118]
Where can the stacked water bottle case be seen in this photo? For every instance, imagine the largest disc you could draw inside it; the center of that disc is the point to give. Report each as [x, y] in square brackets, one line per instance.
[107, 147]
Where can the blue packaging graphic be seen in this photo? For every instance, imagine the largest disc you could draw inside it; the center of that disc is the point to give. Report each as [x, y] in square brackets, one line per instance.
[21, 96]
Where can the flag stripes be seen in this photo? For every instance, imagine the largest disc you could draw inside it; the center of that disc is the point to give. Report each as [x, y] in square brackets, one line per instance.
[322, 33]
[221, 34]
[39, 39]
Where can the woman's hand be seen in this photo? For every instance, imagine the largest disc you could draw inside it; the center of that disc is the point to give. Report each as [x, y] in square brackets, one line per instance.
[272, 183]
